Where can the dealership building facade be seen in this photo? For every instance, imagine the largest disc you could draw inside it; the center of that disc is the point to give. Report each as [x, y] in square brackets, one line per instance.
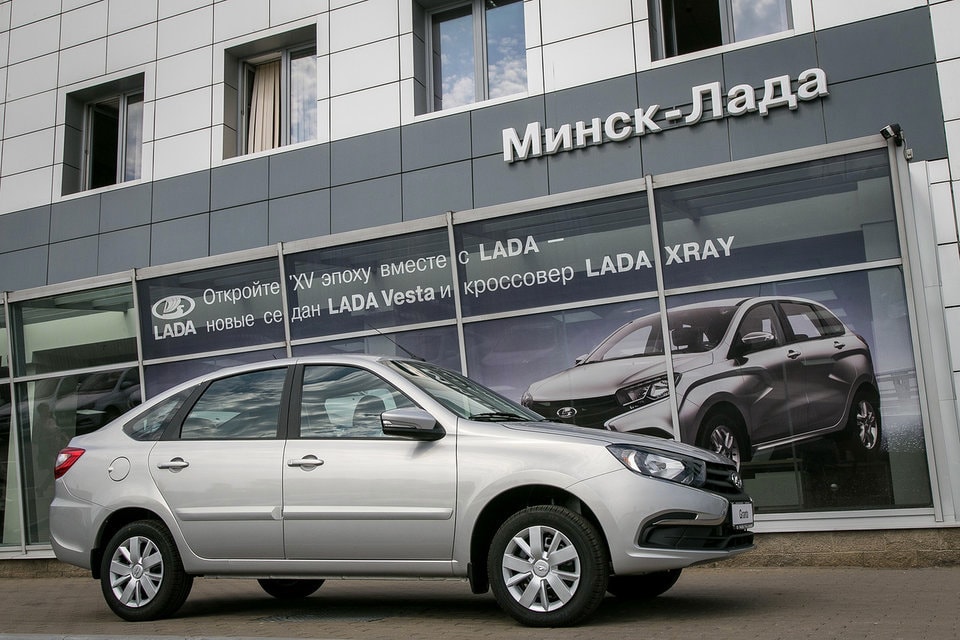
[497, 187]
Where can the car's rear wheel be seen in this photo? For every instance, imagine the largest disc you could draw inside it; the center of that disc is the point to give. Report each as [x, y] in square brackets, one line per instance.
[289, 589]
[548, 567]
[863, 430]
[643, 587]
[723, 433]
[141, 574]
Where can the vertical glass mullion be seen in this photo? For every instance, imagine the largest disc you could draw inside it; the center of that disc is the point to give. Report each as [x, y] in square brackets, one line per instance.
[480, 49]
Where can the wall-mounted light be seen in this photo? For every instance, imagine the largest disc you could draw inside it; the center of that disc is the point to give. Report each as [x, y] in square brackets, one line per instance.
[893, 131]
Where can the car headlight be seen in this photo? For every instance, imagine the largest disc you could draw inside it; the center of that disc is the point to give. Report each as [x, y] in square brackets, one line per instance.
[526, 399]
[645, 392]
[663, 465]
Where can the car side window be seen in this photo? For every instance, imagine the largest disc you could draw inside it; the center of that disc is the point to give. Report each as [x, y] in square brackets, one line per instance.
[151, 424]
[241, 407]
[761, 319]
[345, 402]
[803, 320]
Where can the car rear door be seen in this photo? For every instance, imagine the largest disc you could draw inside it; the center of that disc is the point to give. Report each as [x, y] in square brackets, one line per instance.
[353, 493]
[220, 471]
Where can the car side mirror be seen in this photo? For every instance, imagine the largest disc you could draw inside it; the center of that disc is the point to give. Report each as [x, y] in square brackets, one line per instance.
[580, 359]
[754, 341]
[410, 422]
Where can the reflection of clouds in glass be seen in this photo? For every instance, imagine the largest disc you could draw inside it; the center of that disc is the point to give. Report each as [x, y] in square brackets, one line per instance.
[457, 61]
[506, 50]
[303, 99]
[754, 18]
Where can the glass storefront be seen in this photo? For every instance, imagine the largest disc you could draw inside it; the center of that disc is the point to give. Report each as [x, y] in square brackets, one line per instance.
[764, 313]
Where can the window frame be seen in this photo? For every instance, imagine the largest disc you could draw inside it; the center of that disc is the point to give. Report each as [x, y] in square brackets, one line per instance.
[481, 81]
[658, 28]
[246, 71]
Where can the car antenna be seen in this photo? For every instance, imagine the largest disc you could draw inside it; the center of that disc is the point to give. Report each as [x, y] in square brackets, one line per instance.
[395, 343]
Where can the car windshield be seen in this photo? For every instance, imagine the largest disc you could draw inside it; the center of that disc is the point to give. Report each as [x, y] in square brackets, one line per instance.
[692, 330]
[463, 396]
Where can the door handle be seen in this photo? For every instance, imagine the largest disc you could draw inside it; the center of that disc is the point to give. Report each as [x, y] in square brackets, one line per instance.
[793, 354]
[175, 464]
[306, 461]
[838, 345]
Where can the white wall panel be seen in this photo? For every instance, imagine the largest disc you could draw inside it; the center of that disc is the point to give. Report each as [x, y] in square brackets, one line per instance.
[183, 113]
[35, 40]
[831, 13]
[33, 76]
[128, 15]
[83, 62]
[181, 154]
[167, 8]
[132, 48]
[233, 18]
[953, 146]
[25, 190]
[945, 18]
[365, 111]
[606, 54]
[944, 217]
[184, 72]
[33, 113]
[283, 11]
[364, 22]
[28, 152]
[25, 12]
[84, 24]
[184, 32]
[562, 19]
[364, 67]
[949, 256]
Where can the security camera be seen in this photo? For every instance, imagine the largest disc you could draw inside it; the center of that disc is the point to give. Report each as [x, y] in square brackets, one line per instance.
[893, 131]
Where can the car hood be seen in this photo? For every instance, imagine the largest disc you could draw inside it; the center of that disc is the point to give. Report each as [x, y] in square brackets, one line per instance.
[605, 378]
[603, 437]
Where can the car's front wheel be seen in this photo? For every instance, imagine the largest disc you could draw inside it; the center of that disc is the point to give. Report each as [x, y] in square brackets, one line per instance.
[643, 587]
[141, 574]
[289, 589]
[723, 433]
[548, 567]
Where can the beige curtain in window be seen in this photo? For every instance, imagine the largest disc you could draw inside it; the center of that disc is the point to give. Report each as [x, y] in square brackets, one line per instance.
[263, 128]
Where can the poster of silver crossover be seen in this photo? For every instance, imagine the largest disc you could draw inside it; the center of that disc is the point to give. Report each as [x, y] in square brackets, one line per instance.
[297, 471]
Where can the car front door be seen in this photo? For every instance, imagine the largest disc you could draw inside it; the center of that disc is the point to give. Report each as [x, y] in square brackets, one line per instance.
[353, 493]
[220, 473]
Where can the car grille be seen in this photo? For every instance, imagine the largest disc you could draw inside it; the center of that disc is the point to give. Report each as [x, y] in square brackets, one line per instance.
[668, 533]
[591, 412]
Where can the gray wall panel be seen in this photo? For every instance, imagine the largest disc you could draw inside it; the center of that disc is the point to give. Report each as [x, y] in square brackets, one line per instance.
[597, 100]
[300, 170]
[125, 208]
[496, 182]
[435, 142]
[23, 269]
[487, 125]
[876, 46]
[73, 259]
[686, 147]
[241, 183]
[124, 249]
[753, 65]
[365, 204]
[594, 166]
[75, 218]
[434, 191]
[181, 196]
[910, 98]
[374, 155]
[238, 228]
[306, 215]
[23, 229]
[180, 239]
[779, 130]
[671, 86]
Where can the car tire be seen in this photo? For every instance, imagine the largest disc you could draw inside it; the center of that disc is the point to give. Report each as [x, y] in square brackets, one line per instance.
[548, 567]
[863, 432]
[289, 589]
[643, 587]
[141, 574]
[722, 432]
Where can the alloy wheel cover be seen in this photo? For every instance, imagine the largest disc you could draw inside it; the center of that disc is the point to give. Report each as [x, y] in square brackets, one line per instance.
[541, 568]
[136, 571]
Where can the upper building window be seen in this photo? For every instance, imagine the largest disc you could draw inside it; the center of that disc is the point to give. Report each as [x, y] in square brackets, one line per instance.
[276, 89]
[685, 26]
[104, 135]
[477, 51]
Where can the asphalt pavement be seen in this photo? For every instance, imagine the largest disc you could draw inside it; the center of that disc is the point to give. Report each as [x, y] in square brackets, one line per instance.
[710, 602]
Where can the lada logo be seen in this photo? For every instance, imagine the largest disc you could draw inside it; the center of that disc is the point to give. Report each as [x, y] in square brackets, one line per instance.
[173, 307]
[736, 480]
[565, 413]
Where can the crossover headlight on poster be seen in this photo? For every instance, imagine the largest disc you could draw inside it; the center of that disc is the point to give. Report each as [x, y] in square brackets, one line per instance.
[662, 465]
[645, 392]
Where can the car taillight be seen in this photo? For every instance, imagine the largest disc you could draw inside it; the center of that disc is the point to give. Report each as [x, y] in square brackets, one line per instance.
[66, 459]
